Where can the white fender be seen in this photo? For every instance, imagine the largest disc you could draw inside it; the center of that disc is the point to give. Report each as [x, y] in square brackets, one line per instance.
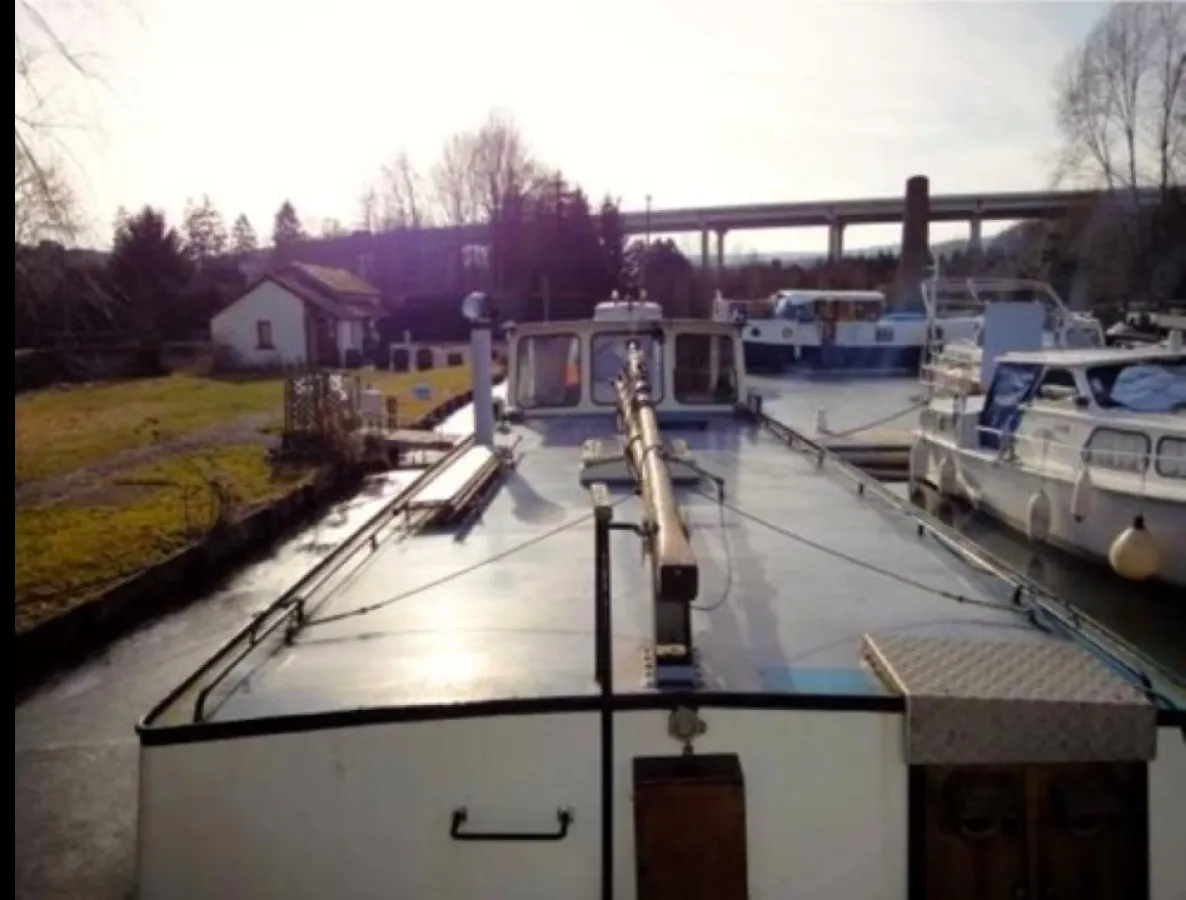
[946, 476]
[1037, 516]
[1082, 495]
[917, 460]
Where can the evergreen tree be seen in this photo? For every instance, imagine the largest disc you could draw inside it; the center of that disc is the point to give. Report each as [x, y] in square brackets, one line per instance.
[205, 231]
[243, 238]
[287, 230]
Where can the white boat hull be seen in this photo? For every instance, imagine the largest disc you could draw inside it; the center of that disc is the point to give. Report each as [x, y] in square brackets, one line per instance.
[364, 812]
[1003, 490]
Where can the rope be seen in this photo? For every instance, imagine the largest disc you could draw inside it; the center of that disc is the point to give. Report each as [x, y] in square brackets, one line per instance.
[860, 563]
[832, 435]
[459, 573]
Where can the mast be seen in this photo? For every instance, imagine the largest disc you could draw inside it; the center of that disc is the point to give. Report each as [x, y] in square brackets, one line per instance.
[675, 574]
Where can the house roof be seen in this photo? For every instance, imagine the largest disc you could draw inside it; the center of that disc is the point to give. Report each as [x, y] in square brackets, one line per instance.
[335, 292]
[338, 281]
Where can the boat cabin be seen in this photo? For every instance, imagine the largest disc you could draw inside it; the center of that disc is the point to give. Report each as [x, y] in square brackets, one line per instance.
[829, 306]
[569, 368]
[1102, 404]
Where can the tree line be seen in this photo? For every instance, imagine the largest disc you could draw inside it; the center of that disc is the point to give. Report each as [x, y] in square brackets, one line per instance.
[1120, 109]
[549, 251]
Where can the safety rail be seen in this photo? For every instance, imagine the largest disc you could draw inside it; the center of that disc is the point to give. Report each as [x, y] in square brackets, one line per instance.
[1045, 609]
[291, 605]
[1077, 456]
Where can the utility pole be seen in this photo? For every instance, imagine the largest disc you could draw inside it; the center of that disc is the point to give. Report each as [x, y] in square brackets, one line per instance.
[646, 252]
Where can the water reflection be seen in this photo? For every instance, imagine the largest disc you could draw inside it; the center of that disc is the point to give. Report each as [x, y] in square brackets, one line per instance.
[1151, 616]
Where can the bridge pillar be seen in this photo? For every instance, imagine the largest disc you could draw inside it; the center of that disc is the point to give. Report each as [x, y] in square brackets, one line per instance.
[835, 239]
[720, 278]
[976, 241]
[705, 275]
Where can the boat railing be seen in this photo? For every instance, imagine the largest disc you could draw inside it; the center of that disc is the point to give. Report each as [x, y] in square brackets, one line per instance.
[1044, 608]
[1153, 458]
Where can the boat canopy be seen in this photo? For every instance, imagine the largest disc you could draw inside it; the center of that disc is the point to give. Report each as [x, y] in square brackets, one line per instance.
[1148, 387]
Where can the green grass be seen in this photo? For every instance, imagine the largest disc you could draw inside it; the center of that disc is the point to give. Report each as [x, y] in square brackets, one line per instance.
[68, 552]
[60, 430]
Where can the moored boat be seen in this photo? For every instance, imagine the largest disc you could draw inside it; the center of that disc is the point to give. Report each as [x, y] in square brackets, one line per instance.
[850, 333]
[1084, 449]
[637, 639]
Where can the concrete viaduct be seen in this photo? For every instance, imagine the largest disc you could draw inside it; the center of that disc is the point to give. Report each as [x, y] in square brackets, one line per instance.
[975, 209]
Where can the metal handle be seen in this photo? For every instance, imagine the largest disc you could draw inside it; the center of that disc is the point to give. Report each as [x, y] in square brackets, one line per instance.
[564, 819]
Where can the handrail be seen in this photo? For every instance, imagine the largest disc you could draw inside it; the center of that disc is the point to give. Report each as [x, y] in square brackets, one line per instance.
[1028, 594]
[266, 622]
[1152, 456]
[564, 820]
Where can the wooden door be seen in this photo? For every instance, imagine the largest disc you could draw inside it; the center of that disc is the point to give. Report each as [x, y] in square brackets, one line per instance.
[1092, 836]
[689, 828]
[1039, 832]
[973, 836]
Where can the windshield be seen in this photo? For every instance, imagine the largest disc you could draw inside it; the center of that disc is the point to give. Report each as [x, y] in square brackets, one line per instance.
[609, 355]
[705, 369]
[1141, 386]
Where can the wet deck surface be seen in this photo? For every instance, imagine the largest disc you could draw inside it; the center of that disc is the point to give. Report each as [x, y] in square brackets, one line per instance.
[490, 614]
[76, 754]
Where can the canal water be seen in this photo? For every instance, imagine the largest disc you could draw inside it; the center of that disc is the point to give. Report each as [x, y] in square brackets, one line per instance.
[1150, 617]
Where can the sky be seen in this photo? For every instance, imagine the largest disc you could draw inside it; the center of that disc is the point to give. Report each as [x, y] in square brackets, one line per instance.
[693, 102]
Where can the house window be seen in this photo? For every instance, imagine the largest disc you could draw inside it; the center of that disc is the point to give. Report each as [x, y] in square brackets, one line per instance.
[263, 335]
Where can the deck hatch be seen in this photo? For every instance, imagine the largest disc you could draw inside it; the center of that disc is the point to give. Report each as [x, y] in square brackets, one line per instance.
[1001, 702]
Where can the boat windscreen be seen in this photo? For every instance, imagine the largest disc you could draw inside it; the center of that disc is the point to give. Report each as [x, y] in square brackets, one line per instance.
[1140, 387]
[1012, 386]
[608, 354]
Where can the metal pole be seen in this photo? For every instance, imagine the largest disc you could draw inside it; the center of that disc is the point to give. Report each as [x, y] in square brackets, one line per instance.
[646, 253]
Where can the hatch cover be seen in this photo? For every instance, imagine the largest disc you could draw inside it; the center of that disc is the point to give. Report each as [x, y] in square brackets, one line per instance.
[1012, 702]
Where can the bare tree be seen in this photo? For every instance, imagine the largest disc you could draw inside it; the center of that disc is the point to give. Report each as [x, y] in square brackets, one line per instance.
[45, 202]
[452, 182]
[499, 164]
[368, 219]
[331, 227]
[1121, 102]
[467, 184]
[1121, 106]
[405, 198]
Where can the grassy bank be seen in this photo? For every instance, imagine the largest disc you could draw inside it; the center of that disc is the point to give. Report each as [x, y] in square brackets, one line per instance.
[114, 519]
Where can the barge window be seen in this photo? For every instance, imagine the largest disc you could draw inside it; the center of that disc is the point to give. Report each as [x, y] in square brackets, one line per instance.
[1171, 457]
[608, 354]
[548, 371]
[1112, 448]
[705, 369]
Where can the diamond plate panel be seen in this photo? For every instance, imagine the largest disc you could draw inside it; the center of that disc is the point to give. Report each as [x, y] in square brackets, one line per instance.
[1012, 702]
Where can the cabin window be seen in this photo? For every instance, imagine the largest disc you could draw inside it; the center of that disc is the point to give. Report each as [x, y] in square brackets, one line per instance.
[1171, 457]
[548, 371]
[1112, 448]
[263, 335]
[705, 369]
[608, 355]
[454, 359]
[1153, 386]
[884, 334]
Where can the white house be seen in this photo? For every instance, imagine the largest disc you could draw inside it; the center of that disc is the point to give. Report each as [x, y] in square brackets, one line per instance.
[300, 314]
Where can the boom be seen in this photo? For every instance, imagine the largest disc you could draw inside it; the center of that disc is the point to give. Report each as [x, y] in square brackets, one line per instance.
[676, 576]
